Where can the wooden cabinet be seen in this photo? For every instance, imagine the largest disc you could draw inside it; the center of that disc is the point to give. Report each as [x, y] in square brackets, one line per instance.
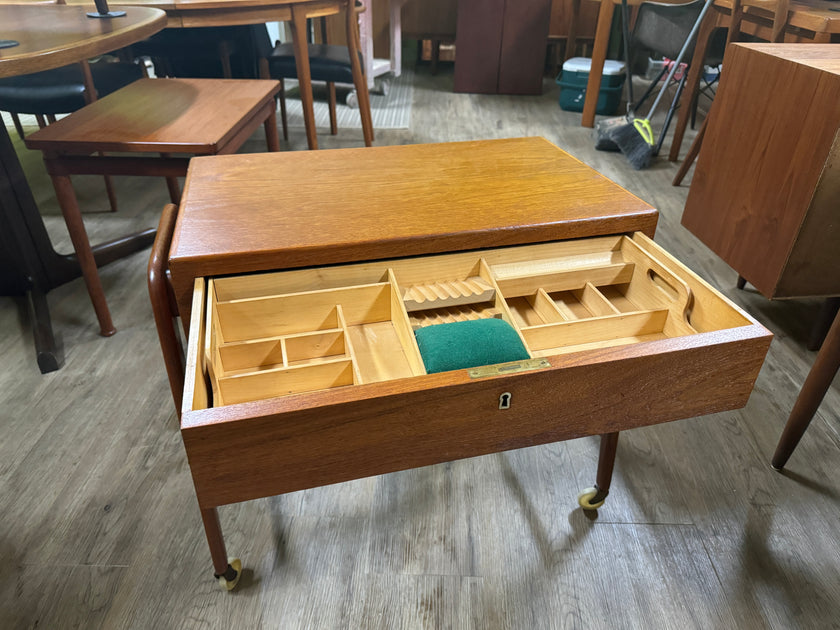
[500, 46]
[765, 193]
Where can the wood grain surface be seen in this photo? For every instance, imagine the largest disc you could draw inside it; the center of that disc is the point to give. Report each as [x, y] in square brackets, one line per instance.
[52, 36]
[99, 527]
[171, 115]
[764, 192]
[509, 192]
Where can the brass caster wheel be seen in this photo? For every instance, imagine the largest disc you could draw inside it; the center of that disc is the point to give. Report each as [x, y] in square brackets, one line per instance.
[230, 578]
[592, 498]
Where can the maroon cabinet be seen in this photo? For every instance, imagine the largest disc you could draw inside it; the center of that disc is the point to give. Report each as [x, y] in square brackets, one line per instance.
[500, 46]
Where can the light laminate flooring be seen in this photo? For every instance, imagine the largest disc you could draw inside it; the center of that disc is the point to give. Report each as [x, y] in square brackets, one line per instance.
[99, 527]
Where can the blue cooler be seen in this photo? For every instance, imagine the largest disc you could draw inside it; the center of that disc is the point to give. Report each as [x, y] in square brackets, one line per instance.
[572, 81]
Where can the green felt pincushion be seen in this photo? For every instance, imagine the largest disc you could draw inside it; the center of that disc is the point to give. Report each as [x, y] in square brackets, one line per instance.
[469, 344]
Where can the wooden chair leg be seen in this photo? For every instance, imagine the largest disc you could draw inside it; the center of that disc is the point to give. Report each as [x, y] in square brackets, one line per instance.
[301, 49]
[813, 391]
[333, 116]
[112, 195]
[172, 185]
[352, 33]
[76, 227]
[283, 120]
[42, 122]
[693, 152]
[272, 140]
[224, 57]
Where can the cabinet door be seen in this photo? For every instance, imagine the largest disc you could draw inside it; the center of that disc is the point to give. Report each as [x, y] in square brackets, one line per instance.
[478, 45]
[524, 42]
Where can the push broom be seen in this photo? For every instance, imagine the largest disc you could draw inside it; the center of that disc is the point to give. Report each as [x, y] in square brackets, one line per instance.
[636, 139]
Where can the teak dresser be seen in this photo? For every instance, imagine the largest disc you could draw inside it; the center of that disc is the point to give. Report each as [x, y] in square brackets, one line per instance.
[302, 276]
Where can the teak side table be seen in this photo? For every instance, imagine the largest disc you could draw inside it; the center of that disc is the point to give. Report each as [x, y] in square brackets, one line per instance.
[164, 116]
[301, 366]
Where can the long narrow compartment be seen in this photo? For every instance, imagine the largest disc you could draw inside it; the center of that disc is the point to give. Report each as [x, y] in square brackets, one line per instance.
[274, 334]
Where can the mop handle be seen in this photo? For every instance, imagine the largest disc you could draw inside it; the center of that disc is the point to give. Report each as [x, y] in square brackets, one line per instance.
[677, 61]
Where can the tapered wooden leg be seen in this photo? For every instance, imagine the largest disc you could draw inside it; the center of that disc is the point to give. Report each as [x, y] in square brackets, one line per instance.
[593, 498]
[813, 391]
[218, 553]
[352, 33]
[112, 195]
[693, 152]
[606, 462]
[172, 185]
[333, 117]
[283, 120]
[304, 76]
[692, 85]
[272, 140]
[596, 69]
[76, 227]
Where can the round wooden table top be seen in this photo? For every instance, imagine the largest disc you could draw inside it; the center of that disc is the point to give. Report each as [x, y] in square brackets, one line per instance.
[51, 36]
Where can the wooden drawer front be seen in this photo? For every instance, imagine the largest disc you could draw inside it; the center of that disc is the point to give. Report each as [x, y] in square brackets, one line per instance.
[304, 378]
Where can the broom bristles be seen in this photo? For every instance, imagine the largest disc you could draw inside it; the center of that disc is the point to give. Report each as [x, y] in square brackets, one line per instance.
[634, 147]
[604, 130]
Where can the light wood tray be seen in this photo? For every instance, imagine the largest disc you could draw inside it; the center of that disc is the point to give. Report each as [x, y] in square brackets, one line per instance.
[276, 334]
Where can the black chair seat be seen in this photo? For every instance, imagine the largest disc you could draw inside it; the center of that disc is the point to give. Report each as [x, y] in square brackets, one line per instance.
[326, 63]
[61, 90]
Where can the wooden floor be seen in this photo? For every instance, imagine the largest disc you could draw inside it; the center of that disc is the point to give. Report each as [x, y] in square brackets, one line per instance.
[99, 527]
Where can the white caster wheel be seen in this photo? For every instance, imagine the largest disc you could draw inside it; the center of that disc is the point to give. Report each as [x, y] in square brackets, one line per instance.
[234, 564]
[383, 87]
[591, 499]
[352, 100]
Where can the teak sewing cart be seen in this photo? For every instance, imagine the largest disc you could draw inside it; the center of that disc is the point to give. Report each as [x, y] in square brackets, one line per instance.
[300, 278]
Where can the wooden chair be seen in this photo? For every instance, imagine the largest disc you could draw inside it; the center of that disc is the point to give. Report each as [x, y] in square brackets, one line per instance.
[780, 10]
[328, 63]
[169, 117]
[200, 53]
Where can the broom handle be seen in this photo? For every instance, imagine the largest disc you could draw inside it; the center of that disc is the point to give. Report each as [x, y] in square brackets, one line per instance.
[679, 58]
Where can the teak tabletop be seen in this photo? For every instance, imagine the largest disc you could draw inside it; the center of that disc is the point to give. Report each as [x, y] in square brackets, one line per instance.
[159, 107]
[53, 36]
[246, 213]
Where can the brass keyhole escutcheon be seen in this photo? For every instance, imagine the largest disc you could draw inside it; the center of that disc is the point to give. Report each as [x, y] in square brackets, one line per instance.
[504, 400]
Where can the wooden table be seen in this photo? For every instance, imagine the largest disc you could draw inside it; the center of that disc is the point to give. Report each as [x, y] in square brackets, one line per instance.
[487, 206]
[808, 20]
[196, 13]
[28, 263]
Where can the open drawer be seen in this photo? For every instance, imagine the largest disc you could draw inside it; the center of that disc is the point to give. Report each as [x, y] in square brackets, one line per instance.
[308, 377]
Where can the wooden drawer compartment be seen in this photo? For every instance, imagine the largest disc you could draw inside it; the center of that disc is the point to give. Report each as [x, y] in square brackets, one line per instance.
[314, 376]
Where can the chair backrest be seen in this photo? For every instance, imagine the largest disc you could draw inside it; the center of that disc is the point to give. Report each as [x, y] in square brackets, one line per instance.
[779, 9]
[663, 28]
